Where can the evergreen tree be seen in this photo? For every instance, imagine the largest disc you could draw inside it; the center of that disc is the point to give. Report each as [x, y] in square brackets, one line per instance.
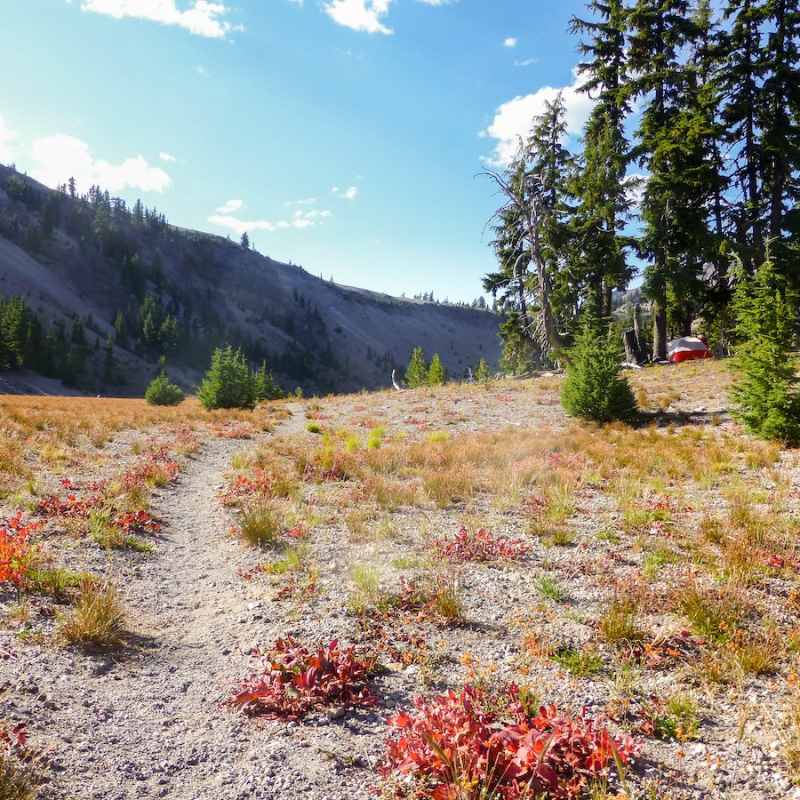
[765, 395]
[163, 392]
[532, 233]
[436, 372]
[599, 184]
[228, 382]
[661, 30]
[264, 385]
[594, 389]
[417, 372]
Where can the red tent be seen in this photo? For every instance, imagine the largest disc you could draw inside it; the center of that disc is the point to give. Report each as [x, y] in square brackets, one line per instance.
[688, 347]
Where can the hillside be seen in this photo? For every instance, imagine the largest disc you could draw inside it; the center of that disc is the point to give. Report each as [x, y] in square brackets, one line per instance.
[643, 577]
[160, 290]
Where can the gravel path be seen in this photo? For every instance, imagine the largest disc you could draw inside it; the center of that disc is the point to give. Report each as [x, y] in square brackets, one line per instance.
[149, 722]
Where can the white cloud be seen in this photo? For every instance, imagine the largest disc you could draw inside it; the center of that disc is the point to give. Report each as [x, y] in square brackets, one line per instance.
[8, 143]
[202, 18]
[360, 15]
[526, 62]
[230, 207]
[202, 71]
[513, 119]
[510, 42]
[166, 157]
[59, 157]
[225, 218]
[240, 226]
[347, 194]
[436, 2]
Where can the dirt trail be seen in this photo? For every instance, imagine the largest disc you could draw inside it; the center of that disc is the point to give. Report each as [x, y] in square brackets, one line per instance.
[149, 723]
[154, 726]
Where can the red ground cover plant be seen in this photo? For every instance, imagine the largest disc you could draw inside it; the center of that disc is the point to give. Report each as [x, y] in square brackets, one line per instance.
[482, 545]
[259, 484]
[295, 680]
[136, 522]
[14, 737]
[15, 549]
[71, 505]
[156, 467]
[451, 747]
[665, 651]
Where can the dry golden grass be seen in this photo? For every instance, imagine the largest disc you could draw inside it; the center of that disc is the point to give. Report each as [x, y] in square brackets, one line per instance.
[97, 618]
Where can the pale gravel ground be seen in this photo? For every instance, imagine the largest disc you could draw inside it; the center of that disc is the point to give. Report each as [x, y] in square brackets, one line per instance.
[150, 722]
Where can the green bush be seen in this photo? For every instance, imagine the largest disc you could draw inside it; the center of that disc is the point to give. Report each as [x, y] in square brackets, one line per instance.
[230, 383]
[264, 386]
[417, 372]
[436, 373]
[163, 392]
[594, 388]
[482, 374]
[765, 395]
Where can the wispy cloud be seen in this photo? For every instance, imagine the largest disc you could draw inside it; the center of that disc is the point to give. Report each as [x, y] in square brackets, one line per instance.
[347, 194]
[59, 157]
[202, 18]
[526, 62]
[513, 119]
[360, 15]
[436, 2]
[168, 157]
[230, 207]
[227, 216]
[510, 42]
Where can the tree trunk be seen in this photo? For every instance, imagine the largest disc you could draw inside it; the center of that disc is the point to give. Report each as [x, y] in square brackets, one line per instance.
[641, 346]
[659, 331]
[629, 341]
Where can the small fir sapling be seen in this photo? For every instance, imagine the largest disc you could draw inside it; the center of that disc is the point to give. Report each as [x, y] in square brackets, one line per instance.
[594, 388]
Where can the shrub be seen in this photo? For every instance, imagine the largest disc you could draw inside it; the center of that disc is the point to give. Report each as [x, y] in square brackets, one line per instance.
[296, 680]
[18, 778]
[417, 372]
[481, 545]
[15, 551]
[229, 383]
[163, 392]
[264, 386]
[482, 374]
[594, 389]
[436, 372]
[765, 395]
[454, 747]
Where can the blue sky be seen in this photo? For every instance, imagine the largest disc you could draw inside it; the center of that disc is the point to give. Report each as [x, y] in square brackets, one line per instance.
[343, 135]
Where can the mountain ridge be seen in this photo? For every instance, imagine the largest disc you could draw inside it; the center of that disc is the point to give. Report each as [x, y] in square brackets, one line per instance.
[160, 290]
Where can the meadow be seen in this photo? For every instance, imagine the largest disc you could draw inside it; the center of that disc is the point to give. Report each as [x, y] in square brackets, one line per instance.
[437, 593]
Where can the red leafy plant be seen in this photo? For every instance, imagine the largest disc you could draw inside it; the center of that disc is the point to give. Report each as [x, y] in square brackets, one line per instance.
[259, 484]
[452, 747]
[71, 505]
[15, 549]
[481, 545]
[12, 737]
[136, 522]
[296, 680]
